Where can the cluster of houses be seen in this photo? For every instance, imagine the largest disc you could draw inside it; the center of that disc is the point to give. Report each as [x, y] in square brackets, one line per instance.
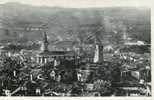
[44, 56]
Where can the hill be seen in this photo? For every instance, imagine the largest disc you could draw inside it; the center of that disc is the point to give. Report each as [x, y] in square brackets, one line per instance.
[73, 24]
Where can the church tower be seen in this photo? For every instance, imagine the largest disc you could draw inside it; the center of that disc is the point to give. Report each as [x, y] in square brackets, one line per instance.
[98, 53]
[44, 47]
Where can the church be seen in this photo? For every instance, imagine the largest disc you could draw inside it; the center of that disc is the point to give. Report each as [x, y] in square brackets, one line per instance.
[45, 55]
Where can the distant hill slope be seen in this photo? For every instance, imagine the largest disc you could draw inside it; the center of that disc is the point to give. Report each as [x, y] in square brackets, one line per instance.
[73, 23]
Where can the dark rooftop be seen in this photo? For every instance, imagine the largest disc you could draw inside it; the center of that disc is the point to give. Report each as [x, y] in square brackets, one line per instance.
[56, 53]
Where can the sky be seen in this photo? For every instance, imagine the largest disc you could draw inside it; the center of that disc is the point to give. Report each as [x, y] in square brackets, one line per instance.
[83, 3]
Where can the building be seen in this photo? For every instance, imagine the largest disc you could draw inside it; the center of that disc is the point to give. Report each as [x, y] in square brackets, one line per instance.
[98, 53]
[8, 50]
[45, 55]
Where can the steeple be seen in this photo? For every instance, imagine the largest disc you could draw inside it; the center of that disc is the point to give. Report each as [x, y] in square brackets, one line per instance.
[44, 47]
[45, 40]
[98, 53]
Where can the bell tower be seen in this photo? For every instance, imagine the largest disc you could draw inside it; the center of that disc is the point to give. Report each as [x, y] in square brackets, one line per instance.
[45, 43]
[98, 53]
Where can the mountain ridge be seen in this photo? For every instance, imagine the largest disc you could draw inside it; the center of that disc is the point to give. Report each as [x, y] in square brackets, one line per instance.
[70, 23]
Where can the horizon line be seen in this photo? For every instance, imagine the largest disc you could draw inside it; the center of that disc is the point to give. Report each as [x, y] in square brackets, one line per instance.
[73, 6]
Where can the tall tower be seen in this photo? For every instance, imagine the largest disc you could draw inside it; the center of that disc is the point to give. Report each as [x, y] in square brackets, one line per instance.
[44, 47]
[98, 54]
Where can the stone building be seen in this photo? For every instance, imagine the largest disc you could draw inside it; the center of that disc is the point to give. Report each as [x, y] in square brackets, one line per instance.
[45, 55]
[98, 53]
